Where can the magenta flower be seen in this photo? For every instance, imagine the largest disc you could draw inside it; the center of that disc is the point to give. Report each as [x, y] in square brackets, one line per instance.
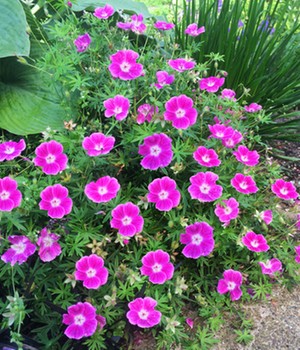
[231, 283]
[180, 111]
[199, 240]
[20, 250]
[228, 94]
[90, 269]
[142, 313]
[157, 266]
[244, 184]
[101, 321]
[181, 64]
[10, 150]
[49, 247]
[220, 131]
[253, 107]
[145, 113]
[104, 12]
[81, 321]
[266, 216]
[82, 42]
[123, 65]
[193, 30]
[255, 243]
[297, 257]
[270, 266]
[103, 190]
[163, 78]
[247, 157]
[285, 190]
[161, 25]
[97, 143]
[56, 201]
[203, 187]
[211, 84]
[227, 211]
[157, 151]
[163, 193]
[190, 322]
[234, 138]
[10, 196]
[50, 156]
[206, 157]
[135, 24]
[117, 106]
[126, 218]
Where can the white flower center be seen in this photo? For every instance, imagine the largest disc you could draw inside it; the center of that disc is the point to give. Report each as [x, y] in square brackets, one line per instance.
[180, 67]
[227, 210]
[231, 285]
[244, 158]
[283, 191]
[50, 159]
[125, 67]
[99, 147]
[155, 151]
[229, 142]
[4, 195]
[126, 221]
[91, 272]
[197, 239]
[204, 188]
[102, 190]
[206, 158]
[255, 243]
[243, 185]
[268, 264]
[163, 195]
[55, 202]
[156, 267]
[180, 113]
[143, 314]
[118, 110]
[79, 320]
[220, 134]
[9, 150]
[211, 83]
[19, 248]
[48, 241]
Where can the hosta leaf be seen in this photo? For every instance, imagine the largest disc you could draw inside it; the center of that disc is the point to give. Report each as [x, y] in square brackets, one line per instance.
[14, 41]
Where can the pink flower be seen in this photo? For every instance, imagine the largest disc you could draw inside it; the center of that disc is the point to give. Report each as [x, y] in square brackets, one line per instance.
[270, 266]
[220, 131]
[234, 138]
[211, 84]
[97, 143]
[101, 321]
[228, 94]
[123, 65]
[266, 216]
[104, 12]
[145, 113]
[193, 30]
[180, 111]
[206, 157]
[247, 157]
[157, 266]
[135, 24]
[231, 283]
[203, 187]
[118, 106]
[20, 250]
[50, 156]
[199, 240]
[161, 25]
[55, 199]
[253, 107]
[126, 218]
[190, 322]
[244, 184]
[49, 247]
[10, 196]
[103, 190]
[90, 269]
[255, 243]
[227, 211]
[181, 64]
[81, 320]
[285, 190]
[297, 257]
[82, 42]
[157, 151]
[10, 149]
[142, 313]
[163, 193]
[163, 78]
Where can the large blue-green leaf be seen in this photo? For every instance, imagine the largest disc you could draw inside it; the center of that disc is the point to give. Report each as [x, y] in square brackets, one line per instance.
[14, 41]
[27, 103]
[128, 5]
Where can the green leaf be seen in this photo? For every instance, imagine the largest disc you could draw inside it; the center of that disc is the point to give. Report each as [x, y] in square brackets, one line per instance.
[27, 103]
[126, 5]
[14, 41]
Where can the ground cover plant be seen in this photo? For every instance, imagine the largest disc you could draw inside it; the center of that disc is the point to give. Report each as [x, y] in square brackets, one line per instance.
[157, 199]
